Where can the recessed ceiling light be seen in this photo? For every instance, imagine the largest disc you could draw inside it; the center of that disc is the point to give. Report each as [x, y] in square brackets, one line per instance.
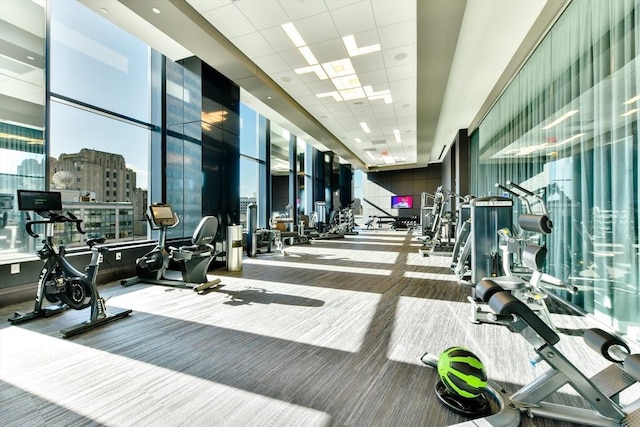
[268, 97]
[396, 134]
[30, 58]
[339, 68]
[313, 69]
[293, 34]
[346, 82]
[353, 49]
[365, 127]
[104, 10]
[308, 55]
[155, 10]
[400, 56]
[286, 79]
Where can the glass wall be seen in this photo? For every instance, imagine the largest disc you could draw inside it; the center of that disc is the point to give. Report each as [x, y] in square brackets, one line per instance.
[22, 115]
[280, 171]
[567, 128]
[252, 166]
[304, 171]
[99, 114]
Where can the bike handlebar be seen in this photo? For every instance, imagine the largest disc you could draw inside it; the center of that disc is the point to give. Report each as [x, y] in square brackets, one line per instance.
[55, 218]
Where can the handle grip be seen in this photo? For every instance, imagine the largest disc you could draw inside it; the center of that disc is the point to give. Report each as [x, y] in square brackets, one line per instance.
[524, 190]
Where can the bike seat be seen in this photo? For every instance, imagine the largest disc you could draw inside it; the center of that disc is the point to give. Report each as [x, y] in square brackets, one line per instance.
[95, 241]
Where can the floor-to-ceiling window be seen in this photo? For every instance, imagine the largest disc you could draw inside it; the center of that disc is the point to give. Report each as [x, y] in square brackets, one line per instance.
[251, 164]
[22, 115]
[567, 128]
[99, 120]
[280, 171]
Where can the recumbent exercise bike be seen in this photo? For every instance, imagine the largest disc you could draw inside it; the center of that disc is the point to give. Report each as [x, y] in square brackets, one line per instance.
[194, 259]
[59, 281]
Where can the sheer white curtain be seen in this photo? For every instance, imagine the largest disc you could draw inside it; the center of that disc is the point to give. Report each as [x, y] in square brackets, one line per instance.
[568, 126]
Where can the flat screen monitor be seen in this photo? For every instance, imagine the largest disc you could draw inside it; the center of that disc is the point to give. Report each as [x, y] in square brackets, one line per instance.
[401, 202]
[39, 201]
[162, 215]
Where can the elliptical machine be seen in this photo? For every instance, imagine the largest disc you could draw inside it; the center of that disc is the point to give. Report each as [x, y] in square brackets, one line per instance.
[59, 281]
[194, 259]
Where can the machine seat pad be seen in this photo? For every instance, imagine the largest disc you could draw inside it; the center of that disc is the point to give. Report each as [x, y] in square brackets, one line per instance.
[486, 288]
[506, 303]
[509, 283]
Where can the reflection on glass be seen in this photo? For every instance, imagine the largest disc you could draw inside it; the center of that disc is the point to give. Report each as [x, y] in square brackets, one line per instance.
[280, 171]
[104, 186]
[249, 186]
[22, 121]
[96, 62]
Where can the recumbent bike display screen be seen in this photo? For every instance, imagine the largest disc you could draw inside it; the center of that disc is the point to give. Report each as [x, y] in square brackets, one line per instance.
[162, 215]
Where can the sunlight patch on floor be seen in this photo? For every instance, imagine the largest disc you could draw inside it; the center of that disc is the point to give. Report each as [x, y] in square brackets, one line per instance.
[157, 402]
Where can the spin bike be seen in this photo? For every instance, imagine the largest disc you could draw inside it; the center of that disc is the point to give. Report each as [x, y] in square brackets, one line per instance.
[59, 281]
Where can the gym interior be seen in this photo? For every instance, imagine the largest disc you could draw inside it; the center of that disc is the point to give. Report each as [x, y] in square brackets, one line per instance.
[319, 212]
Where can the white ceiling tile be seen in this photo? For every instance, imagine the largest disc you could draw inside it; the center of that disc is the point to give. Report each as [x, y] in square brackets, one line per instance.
[307, 100]
[207, 5]
[401, 72]
[368, 62]
[297, 9]
[263, 14]
[316, 28]
[354, 18]
[287, 80]
[294, 59]
[388, 12]
[230, 21]
[402, 34]
[278, 39]
[337, 4]
[321, 86]
[272, 64]
[401, 97]
[401, 55]
[329, 50]
[253, 45]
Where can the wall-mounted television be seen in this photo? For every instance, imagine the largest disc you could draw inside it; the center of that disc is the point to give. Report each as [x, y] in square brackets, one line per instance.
[401, 202]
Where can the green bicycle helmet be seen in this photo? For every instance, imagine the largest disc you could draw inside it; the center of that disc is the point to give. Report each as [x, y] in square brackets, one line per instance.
[462, 372]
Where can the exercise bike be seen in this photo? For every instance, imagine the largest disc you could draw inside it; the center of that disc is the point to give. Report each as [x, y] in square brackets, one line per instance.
[59, 281]
[194, 259]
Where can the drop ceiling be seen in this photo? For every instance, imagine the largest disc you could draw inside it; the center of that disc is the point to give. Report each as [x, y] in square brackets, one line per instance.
[439, 66]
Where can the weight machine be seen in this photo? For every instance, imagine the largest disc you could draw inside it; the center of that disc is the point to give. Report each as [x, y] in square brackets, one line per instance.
[601, 391]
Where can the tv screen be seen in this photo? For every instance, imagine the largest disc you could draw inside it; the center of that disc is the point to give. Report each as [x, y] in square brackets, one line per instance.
[401, 202]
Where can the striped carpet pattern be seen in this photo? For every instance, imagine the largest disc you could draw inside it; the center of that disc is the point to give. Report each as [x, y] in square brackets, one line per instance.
[328, 334]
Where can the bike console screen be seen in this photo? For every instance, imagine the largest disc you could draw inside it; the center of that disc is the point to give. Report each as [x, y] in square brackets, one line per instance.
[162, 215]
[39, 201]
